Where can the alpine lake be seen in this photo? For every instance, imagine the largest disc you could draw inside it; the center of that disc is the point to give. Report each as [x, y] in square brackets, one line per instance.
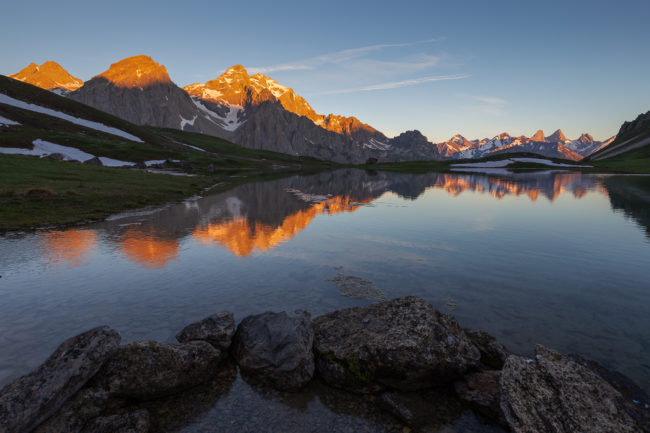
[558, 258]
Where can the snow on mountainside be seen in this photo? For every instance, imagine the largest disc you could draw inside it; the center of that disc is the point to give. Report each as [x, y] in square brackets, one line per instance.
[555, 145]
[49, 76]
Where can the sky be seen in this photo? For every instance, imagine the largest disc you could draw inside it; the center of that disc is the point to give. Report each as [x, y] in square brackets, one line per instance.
[477, 68]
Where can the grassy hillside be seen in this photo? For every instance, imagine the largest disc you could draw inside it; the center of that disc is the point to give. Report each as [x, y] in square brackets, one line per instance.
[37, 192]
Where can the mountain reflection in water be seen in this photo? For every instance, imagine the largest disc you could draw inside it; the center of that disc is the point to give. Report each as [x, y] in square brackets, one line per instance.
[259, 217]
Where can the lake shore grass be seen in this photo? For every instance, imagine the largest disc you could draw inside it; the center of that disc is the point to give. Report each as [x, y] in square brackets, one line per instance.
[40, 192]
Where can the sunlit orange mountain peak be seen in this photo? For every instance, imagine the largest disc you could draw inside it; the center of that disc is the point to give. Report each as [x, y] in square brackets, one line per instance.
[236, 88]
[538, 136]
[50, 75]
[137, 71]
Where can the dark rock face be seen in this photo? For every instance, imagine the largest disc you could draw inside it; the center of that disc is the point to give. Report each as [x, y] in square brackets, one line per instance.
[33, 398]
[404, 344]
[146, 369]
[482, 391]
[94, 161]
[277, 347]
[217, 329]
[55, 156]
[425, 411]
[131, 422]
[554, 393]
[493, 354]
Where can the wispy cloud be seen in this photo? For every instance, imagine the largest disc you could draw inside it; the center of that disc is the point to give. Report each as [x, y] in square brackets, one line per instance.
[490, 100]
[396, 84]
[336, 57]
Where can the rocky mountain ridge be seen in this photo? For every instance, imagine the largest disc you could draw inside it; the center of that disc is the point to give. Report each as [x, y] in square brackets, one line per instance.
[258, 112]
[555, 145]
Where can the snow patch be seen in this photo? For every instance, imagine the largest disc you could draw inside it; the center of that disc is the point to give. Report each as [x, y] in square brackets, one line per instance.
[7, 122]
[507, 162]
[4, 99]
[44, 148]
[186, 122]
[376, 144]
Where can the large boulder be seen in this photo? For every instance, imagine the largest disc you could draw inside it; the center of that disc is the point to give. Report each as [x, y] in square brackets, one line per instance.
[147, 369]
[217, 329]
[404, 344]
[276, 347]
[31, 399]
[554, 393]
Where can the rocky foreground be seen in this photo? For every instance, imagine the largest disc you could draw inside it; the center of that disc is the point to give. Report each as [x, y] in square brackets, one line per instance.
[409, 355]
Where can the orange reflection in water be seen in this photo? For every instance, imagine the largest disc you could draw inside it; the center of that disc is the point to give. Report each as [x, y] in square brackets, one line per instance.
[70, 246]
[147, 250]
[242, 238]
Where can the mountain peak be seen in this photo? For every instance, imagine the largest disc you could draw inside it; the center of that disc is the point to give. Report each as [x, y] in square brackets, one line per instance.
[538, 136]
[586, 138]
[556, 136]
[50, 75]
[137, 71]
[502, 136]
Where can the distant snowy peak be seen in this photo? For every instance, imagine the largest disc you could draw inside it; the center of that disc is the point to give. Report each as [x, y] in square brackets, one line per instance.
[49, 76]
[555, 145]
[538, 136]
[557, 137]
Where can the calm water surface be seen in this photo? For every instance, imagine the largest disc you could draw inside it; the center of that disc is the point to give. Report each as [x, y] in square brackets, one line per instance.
[557, 258]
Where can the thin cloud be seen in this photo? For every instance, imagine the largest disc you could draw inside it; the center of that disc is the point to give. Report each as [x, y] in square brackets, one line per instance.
[396, 84]
[337, 57]
[490, 100]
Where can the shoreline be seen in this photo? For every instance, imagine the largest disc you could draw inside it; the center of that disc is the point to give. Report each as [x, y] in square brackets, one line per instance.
[395, 370]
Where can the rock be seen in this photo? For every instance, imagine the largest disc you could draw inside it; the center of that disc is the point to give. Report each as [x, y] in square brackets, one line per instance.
[409, 408]
[147, 369]
[76, 412]
[56, 156]
[141, 165]
[637, 401]
[482, 390]
[94, 161]
[554, 393]
[404, 344]
[431, 408]
[493, 354]
[31, 399]
[355, 287]
[210, 168]
[277, 347]
[217, 329]
[371, 160]
[136, 421]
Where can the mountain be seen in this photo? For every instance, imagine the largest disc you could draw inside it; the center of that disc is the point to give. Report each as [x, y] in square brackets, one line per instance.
[235, 88]
[632, 141]
[140, 90]
[555, 145]
[49, 76]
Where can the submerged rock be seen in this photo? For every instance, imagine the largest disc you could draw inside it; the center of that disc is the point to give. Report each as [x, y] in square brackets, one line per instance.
[136, 421]
[355, 287]
[404, 344]
[432, 409]
[277, 347]
[493, 354]
[554, 393]
[217, 329]
[147, 369]
[31, 399]
[85, 405]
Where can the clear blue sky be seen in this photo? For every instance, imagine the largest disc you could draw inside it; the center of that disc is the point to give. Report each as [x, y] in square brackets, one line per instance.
[515, 66]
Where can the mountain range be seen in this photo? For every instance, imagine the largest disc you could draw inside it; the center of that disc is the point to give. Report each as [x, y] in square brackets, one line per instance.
[257, 112]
